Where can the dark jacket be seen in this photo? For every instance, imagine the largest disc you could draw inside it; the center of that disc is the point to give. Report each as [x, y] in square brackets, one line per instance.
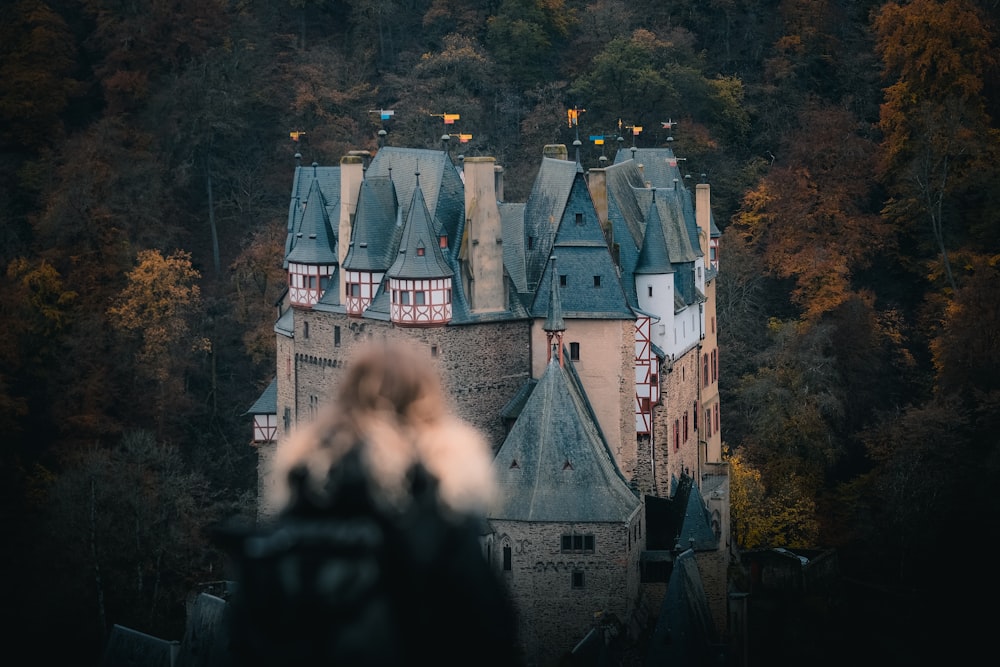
[339, 579]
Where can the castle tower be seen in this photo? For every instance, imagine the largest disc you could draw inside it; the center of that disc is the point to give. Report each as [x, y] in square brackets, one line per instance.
[312, 260]
[654, 287]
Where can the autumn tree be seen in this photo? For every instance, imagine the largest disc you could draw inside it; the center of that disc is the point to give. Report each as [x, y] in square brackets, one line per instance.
[937, 131]
[781, 517]
[809, 215]
[159, 308]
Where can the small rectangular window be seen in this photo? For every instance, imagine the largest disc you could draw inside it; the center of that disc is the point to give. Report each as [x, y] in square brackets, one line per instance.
[506, 559]
[574, 351]
[573, 543]
[597, 281]
[336, 336]
[434, 351]
[419, 297]
[579, 218]
[305, 330]
[562, 280]
[577, 579]
[649, 290]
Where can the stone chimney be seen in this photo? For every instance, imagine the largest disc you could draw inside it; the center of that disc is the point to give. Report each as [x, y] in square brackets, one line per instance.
[485, 249]
[555, 151]
[352, 172]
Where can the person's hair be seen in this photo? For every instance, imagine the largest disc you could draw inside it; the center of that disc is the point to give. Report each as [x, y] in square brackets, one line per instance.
[390, 404]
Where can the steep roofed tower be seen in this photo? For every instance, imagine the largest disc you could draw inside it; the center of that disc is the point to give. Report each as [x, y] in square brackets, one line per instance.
[313, 257]
[373, 244]
[654, 287]
[420, 278]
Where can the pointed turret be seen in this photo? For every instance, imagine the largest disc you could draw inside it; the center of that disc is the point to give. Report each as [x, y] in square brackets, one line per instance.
[377, 231]
[554, 325]
[312, 259]
[420, 280]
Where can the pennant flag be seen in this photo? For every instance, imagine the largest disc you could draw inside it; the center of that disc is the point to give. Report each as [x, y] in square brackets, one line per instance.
[598, 139]
[668, 125]
[295, 135]
[464, 138]
[636, 129]
[672, 162]
[450, 118]
[385, 114]
[573, 116]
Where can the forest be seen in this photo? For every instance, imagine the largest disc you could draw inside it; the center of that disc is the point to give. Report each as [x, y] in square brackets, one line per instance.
[146, 155]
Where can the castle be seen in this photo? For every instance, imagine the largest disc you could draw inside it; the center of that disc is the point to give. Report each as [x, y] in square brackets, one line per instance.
[576, 329]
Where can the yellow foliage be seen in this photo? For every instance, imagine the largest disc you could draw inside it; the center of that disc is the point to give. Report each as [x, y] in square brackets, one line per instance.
[781, 518]
[159, 303]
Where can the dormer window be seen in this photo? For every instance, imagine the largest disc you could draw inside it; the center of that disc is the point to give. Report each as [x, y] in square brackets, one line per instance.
[420, 251]
[443, 241]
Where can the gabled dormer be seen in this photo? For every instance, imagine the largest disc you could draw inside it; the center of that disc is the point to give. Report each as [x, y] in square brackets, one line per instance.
[312, 259]
[420, 279]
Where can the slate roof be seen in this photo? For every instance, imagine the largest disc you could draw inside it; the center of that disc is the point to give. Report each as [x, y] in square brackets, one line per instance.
[653, 257]
[512, 229]
[584, 258]
[543, 211]
[659, 165]
[440, 180]
[314, 241]
[685, 633]
[328, 181]
[128, 648]
[419, 253]
[378, 227]
[696, 525]
[555, 464]
[206, 636]
[267, 403]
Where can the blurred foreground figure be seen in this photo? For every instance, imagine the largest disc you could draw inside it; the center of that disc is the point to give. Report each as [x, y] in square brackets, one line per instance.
[374, 558]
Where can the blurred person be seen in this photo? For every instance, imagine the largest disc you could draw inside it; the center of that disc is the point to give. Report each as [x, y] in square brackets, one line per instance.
[374, 557]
